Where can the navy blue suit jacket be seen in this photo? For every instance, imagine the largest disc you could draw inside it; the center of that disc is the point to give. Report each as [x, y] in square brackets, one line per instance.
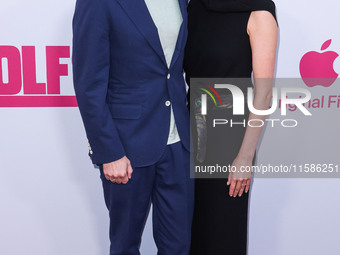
[122, 81]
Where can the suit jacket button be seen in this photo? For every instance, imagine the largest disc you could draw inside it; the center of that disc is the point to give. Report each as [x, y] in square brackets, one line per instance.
[167, 103]
[168, 77]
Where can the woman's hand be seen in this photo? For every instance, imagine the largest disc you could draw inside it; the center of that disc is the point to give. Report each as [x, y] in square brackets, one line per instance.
[239, 176]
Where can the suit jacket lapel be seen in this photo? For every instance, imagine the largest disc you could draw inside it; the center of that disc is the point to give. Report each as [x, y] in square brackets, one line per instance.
[140, 16]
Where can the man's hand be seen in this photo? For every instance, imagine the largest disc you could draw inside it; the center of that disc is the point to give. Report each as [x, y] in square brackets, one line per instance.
[118, 171]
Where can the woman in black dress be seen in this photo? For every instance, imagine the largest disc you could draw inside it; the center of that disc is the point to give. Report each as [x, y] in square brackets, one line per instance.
[229, 39]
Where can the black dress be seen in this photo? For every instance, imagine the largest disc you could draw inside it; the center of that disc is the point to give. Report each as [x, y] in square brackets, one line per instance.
[218, 46]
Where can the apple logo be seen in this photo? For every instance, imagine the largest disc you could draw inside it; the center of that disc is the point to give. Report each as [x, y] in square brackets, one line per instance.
[317, 68]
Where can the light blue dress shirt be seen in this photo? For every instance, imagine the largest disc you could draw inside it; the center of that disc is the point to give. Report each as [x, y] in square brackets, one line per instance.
[167, 16]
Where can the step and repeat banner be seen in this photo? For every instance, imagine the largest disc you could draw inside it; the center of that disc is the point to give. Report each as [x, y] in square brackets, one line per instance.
[51, 195]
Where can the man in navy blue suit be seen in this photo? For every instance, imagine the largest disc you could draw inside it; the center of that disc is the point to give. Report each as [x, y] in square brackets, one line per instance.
[127, 66]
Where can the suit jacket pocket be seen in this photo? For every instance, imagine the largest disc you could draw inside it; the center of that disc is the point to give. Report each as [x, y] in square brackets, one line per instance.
[126, 111]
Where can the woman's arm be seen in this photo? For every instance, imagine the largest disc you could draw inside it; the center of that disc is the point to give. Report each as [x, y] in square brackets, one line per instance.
[263, 34]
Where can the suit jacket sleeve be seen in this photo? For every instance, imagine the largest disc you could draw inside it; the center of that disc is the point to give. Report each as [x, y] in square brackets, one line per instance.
[91, 67]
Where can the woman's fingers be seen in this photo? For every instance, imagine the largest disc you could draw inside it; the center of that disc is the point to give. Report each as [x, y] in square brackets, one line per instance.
[243, 187]
[247, 186]
[235, 186]
[238, 187]
[239, 183]
[229, 179]
[232, 186]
